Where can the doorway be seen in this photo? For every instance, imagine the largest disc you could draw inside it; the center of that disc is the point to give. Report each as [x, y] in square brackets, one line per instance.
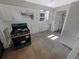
[59, 21]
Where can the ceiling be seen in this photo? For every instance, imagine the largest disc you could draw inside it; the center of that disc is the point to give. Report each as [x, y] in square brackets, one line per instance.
[51, 3]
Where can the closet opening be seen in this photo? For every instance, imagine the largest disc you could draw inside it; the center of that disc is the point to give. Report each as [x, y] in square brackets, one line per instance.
[59, 21]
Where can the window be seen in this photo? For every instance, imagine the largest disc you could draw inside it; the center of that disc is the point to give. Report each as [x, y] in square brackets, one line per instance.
[44, 15]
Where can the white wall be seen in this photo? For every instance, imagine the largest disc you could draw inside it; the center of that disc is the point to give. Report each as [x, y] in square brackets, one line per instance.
[2, 25]
[9, 13]
[13, 16]
[72, 23]
[71, 28]
[29, 5]
[2, 37]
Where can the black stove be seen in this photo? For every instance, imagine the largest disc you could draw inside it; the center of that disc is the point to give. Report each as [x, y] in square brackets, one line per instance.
[20, 35]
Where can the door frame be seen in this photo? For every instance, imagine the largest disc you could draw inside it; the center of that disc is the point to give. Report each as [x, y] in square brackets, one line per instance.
[64, 19]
